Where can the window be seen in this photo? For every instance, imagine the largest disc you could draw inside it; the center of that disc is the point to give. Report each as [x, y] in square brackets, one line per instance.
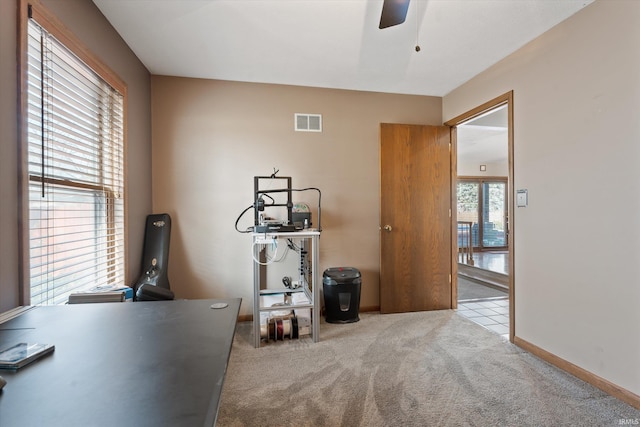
[483, 203]
[74, 179]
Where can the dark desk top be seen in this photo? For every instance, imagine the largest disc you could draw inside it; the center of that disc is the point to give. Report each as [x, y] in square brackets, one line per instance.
[155, 363]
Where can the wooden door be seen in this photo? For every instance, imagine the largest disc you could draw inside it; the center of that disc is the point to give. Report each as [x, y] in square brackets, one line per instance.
[415, 218]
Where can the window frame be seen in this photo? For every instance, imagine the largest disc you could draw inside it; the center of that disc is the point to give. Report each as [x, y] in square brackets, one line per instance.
[34, 9]
[481, 181]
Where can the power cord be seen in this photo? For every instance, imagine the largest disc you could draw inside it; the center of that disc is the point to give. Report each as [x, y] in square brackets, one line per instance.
[260, 205]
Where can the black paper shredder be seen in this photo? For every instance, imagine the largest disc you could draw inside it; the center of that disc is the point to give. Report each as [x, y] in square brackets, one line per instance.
[341, 289]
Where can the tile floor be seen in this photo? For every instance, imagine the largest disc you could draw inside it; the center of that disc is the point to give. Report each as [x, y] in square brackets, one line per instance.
[492, 313]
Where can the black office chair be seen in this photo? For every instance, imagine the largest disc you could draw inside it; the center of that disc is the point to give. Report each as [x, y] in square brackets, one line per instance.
[153, 284]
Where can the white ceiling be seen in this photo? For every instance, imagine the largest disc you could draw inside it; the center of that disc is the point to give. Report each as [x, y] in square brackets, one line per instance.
[484, 139]
[331, 43]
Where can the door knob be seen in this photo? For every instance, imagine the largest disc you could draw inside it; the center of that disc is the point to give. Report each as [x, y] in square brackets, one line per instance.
[387, 227]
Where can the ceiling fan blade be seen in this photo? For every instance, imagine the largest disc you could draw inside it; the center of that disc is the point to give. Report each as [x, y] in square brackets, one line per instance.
[394, 12]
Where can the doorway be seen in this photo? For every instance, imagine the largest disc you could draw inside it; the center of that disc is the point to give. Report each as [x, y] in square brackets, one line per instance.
[482, 144]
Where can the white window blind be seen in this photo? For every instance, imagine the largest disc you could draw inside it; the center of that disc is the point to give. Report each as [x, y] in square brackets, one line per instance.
[75, 173]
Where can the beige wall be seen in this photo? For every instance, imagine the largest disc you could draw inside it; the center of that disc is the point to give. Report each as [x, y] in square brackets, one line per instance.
[577, 133]
[84, 19]
[473, 169]
[210, 138]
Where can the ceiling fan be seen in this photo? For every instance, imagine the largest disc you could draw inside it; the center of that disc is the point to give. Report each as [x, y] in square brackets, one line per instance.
[394, 12]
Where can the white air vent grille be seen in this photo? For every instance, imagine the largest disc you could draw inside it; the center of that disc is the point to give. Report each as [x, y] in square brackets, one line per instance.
[308, 122]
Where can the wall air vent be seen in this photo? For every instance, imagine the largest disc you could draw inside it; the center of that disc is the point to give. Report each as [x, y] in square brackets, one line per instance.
[308, 122]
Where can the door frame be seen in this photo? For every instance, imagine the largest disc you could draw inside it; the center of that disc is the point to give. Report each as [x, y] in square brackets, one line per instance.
[504, 99]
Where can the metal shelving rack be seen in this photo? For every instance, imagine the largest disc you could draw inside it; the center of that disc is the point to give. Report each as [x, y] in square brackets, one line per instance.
[311, 290]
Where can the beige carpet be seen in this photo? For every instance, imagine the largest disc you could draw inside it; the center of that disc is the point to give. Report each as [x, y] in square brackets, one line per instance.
[414, 369]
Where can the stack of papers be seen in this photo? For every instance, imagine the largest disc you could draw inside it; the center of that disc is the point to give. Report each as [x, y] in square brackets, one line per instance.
[23, 353]
[102, 294]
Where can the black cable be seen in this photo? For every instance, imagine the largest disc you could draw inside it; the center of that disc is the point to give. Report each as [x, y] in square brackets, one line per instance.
[248, 230]
[292, 245]
[272, 199]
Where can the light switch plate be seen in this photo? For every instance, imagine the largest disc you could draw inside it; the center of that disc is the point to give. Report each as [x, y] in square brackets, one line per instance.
[522, 198]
